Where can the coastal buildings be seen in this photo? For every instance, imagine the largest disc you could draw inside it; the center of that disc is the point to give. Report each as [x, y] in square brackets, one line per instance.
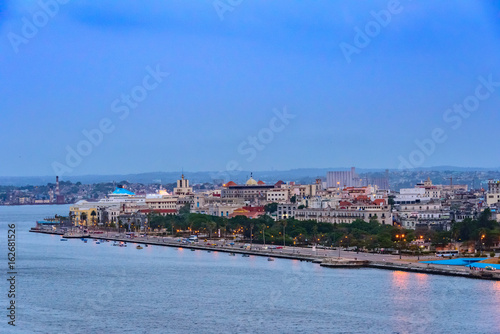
[252, 191]
[125, 206]
[347, 212]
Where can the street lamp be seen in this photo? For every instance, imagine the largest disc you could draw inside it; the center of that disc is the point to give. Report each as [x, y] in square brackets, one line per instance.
[482, 243]
[400, 237]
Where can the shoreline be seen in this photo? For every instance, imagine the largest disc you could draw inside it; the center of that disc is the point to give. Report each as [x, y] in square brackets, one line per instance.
[324, 261]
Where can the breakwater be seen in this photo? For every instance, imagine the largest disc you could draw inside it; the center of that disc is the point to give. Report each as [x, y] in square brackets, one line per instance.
[329, 262]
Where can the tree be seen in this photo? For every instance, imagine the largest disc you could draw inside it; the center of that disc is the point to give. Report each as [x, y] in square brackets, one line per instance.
[293, 199]
[186, 209]
[93, 214]
[251, 232]
[83, 217]
[211, 226]
[271, 207]
[284, 223]
[263, 227]
[374, 220]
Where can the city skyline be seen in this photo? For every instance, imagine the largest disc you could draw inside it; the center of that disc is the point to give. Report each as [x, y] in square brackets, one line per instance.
[135, 88]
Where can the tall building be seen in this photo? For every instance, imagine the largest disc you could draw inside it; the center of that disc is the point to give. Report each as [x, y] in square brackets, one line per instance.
[382, 183]
[493, 195]
[59, 197]
[183, 187]
[342, 179]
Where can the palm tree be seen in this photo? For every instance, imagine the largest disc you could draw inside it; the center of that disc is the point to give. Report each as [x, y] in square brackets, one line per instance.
[264, 233]
[211, 226]
[284, 223]
[83, 217]
[93, 214]
[251, 234]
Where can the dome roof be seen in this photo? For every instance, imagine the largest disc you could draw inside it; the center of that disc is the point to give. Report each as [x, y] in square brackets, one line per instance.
[261, 182]
[251, 182]
[122, 192]
[230, 184]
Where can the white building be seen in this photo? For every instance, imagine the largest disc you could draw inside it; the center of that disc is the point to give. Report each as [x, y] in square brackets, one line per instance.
[278, 195]
[493, 195]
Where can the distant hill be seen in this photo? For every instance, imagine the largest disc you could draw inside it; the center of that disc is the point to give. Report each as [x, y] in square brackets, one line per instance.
[298, 175]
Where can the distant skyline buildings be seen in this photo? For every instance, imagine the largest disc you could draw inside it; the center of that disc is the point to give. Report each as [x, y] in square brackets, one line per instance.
[396, 99]
[342, 179]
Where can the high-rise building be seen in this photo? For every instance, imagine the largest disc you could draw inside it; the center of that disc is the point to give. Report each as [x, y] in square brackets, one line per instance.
[341, 179]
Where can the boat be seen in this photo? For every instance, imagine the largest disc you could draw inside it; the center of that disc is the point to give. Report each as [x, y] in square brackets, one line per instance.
[98, 243]
[209, 251]
[270, 259]
[85, 241]
[232, 254]
[139, 247]
[64, 239]
[192, 249]
[245, 255]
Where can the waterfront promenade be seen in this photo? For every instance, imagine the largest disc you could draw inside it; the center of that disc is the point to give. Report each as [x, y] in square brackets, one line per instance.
[332, 258]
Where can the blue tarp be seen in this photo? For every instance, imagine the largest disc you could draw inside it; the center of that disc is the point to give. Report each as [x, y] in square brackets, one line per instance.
[44, 222]
[463, 261]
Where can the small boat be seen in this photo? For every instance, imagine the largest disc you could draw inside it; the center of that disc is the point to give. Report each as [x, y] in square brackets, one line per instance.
[232, 254]
[115, 244]
[245, 255]
[139, 247]
[146, 246]
[64, 239]
[209, 251]
[98, 243]
[85, 241]
[192, 249]
[270, 259]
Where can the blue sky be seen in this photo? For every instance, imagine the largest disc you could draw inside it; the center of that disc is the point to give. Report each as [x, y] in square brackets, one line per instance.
[230, 73]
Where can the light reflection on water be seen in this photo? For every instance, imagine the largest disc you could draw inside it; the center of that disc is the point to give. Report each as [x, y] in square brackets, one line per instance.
[72, 287]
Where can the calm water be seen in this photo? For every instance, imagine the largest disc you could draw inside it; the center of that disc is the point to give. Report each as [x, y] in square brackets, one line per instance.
[72, 287]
